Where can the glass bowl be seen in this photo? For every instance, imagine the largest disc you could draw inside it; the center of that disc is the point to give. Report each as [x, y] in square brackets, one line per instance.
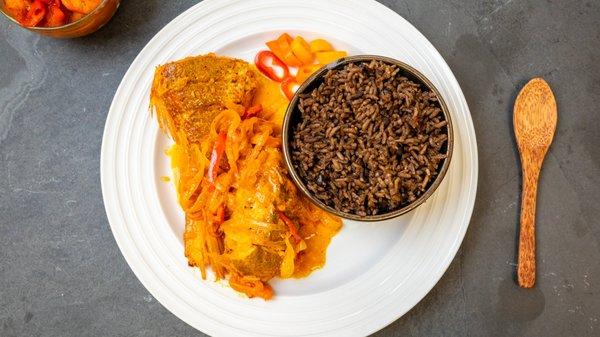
[84, 26]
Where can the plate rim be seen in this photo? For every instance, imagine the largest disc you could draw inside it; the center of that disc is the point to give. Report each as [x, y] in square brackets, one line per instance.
[105, 173]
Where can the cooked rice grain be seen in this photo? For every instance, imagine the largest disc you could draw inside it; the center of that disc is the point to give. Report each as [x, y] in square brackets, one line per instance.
[369, 140]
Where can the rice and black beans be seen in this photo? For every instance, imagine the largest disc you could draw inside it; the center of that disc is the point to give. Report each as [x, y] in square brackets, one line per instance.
[369, 141]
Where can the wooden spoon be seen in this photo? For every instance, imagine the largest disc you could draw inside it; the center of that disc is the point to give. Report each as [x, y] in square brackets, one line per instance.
[534, 122]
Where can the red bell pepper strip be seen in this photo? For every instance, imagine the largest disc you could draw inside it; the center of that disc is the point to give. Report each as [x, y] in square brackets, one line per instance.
[271, 66]
[35, 14]
[289, 87]
[291, 225]
[220, 216]
[215, 157]
[252, 111]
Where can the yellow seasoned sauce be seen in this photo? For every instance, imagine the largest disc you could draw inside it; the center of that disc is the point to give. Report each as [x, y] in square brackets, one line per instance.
[247, 220]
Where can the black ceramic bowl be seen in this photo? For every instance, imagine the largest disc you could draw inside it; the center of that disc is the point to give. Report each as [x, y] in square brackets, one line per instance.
[292, 117]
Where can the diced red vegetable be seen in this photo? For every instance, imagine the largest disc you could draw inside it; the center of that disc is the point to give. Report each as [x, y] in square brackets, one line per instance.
[55, 17]
[35, 14]
[48, 13]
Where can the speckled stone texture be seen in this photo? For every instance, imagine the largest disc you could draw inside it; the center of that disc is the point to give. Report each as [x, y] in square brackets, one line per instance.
[61, 273]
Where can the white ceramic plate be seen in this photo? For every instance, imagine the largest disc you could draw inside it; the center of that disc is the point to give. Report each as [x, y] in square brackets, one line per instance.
[375, 272]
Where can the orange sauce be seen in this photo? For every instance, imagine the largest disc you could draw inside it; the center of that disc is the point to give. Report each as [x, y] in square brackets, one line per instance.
[249, 222]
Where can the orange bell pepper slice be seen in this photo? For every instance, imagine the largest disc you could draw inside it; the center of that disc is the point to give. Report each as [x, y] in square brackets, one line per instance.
[320, 45]
[301, 50]
[281, 46]
[305, 71]
[81, 6]
[291, 60]
[326, 57]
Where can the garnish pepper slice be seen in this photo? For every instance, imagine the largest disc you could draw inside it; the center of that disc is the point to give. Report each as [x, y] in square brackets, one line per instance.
[280, 46]
[215, 157]
[320, 45]
[270, 65]
[325, 57]
[291, 60]
[35, 14]
[305, 71]
[291, 225]
[289, 87]
[301, 50]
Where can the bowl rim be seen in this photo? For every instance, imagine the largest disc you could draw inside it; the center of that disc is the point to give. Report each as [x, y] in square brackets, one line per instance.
[50, 29]
[285, 132]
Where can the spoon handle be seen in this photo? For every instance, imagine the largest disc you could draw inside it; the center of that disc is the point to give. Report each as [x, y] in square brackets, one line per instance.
[526, 268]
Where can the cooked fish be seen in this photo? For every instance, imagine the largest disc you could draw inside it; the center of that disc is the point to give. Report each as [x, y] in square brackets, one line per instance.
[192, 91]
[247, 220]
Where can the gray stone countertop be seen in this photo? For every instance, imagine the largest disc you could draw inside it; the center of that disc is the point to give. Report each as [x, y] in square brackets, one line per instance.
[62, 274]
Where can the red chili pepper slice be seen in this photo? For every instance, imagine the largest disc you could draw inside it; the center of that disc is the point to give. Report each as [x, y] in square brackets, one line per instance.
[215, 157]
[271, 66]
[252, 111]
[291, 225]
[35, 13]
[289, 87]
